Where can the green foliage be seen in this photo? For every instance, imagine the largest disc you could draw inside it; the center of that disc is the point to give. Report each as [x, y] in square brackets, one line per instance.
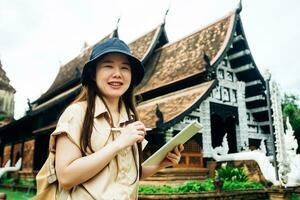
[166, 189]
[17, 195]
[26, 182]
[290, 98]
[13, 181]
[151, 189]
[227, 173]
[291, 109]
[186, 187]
[146, 189]
[235, 185]
[2, 117]
[8, 181]
[295, 197]
[197, 186]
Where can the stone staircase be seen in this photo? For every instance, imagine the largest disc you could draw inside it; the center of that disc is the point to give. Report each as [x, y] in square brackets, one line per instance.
[176, 176]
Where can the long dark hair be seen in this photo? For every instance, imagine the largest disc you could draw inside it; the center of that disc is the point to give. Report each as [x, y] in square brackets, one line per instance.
[88, 93]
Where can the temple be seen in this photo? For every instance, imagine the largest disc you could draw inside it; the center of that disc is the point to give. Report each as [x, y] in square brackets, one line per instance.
[7, 93]
[209, 76]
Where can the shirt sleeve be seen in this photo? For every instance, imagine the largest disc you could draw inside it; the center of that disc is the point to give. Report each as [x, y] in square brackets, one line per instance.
[70, 123]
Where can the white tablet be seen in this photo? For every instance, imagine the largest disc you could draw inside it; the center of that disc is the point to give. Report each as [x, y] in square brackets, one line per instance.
[182, 137]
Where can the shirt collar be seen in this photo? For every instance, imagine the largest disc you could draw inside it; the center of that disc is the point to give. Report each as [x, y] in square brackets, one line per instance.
[100, 108]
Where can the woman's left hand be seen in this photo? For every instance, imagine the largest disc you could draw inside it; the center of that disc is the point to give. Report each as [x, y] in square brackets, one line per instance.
[172, 157]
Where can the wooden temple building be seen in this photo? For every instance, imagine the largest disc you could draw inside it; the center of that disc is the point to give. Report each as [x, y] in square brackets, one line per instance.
[209, 76]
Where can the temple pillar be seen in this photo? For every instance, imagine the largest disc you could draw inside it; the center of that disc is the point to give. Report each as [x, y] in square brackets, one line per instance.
[206, 130]
[242, 132]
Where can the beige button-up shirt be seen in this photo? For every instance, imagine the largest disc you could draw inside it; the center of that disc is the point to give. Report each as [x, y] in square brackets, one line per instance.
[117, 179]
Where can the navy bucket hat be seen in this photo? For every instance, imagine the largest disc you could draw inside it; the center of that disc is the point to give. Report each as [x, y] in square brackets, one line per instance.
[113, 45]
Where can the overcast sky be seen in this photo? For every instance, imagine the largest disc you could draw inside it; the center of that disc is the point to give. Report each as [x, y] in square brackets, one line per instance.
[37, 36]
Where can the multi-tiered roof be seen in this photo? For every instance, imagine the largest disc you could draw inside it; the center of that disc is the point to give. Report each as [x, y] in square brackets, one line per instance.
[179, 75]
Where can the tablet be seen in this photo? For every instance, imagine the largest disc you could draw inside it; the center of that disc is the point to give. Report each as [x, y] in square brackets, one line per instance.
[182, 137]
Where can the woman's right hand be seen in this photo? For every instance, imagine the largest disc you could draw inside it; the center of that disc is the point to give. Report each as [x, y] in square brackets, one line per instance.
[132, 133]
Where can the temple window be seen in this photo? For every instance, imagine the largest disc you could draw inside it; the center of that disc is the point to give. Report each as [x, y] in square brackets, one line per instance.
[229, 76]
[217, 93]
[234, 96]
[192, 118]
[221, 73]
[225, 94]
[248, 117]
[224, 62]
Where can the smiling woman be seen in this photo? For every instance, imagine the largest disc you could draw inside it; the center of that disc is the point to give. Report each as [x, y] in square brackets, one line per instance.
[113, 75]
[101, 162]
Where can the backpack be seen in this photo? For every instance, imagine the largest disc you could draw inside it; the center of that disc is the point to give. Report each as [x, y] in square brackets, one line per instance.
[46, 180]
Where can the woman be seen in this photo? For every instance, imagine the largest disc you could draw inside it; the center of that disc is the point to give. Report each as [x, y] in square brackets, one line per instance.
[92, 160]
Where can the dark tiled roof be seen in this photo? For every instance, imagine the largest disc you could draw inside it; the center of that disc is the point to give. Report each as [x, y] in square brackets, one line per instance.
[184, 58]
[70, 73]
[140, 46]
[172, 104]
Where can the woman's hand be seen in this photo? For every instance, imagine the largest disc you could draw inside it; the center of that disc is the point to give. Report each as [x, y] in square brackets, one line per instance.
[172, 157]
[132, 133]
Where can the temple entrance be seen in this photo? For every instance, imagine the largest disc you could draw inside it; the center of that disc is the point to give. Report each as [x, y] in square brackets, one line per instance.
[192, 157]
[223, 120]
[231, 134]
[217, 130]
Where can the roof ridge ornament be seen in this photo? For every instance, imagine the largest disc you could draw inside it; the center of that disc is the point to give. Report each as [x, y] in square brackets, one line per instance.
[115, 32]
[29, 105]
[166, 13]
[160, 117]
[210, 71]
[117, 24]
[85, 45]
[239, 7]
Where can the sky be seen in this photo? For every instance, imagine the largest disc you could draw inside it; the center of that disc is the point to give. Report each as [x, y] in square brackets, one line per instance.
[38, 36]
